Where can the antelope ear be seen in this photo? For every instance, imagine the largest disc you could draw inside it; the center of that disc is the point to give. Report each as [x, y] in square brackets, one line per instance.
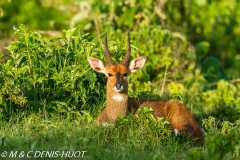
[96, 64]
[137, 63]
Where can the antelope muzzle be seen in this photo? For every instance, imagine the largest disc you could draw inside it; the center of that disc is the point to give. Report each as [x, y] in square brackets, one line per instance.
[119, 85]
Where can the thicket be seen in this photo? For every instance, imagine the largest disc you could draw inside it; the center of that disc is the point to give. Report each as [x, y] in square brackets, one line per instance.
[46, 72]
[192, 55]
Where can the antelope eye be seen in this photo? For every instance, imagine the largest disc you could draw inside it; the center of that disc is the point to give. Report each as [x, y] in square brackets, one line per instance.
[125, 74]
[110, 75]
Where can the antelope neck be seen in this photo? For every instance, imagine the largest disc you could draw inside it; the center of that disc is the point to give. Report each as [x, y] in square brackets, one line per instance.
[116, 104]
[117, 97]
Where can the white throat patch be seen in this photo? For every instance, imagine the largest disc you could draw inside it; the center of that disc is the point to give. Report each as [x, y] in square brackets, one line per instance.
[118, 98]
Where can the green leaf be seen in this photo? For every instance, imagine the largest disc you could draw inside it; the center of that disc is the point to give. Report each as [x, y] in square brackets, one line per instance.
[55, 39]
[22, 28]
[41, 79]
[27, 39]
[202, 49]
[91, 76]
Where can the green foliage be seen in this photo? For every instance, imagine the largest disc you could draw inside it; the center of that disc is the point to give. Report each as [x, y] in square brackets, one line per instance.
[175, 88]
[145, 124]
[225, 93]
[202, 50]
[55, 75]
[223, 102]
[142, 136]
[223, 144]
[9, 91]
[208, 24]
[214, 22]
[186, 49]
[43, 15]
[211, 66]
[158, 50]
[129, 138]
[50, 76]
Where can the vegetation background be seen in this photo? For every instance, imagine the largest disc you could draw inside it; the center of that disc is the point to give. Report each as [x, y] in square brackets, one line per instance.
[49, 96]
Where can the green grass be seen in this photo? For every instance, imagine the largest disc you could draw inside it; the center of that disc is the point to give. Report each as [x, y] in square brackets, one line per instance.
[128, 139]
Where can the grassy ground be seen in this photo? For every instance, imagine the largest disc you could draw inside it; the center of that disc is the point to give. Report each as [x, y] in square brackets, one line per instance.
[128, 139]
[65, 136]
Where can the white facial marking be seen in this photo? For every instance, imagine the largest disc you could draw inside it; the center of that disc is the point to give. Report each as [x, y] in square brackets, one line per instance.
[118, 90]
[118, 98]
[176, 132]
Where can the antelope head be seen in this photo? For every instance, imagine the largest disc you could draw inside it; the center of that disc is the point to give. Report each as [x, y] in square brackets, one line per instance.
[117, 73]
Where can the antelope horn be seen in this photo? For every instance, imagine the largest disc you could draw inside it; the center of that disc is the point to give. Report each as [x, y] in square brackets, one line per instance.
[107, 53]
[128, 52]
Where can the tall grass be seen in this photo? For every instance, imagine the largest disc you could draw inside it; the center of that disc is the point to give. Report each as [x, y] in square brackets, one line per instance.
[49, 99]
[144, 138]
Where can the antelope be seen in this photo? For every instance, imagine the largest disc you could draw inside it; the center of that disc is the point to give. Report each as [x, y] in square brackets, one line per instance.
[119, 104]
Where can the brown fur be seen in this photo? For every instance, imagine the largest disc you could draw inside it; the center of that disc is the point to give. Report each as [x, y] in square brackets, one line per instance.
[179, 116]
[114, 109]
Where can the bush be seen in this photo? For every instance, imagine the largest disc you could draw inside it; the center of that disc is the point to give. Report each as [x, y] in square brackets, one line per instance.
[50, 76]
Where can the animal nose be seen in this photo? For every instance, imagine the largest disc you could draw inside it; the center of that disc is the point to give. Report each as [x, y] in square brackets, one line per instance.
[118, 86]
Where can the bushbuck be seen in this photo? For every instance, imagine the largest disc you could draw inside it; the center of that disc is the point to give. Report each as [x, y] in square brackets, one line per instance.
[119, 104]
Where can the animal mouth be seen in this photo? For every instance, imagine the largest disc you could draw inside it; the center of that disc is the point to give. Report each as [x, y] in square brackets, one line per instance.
[118, 89]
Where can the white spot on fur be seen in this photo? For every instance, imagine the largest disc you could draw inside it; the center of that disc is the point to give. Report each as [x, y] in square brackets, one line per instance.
[108, 125]
[176, 132]
[118, 98]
